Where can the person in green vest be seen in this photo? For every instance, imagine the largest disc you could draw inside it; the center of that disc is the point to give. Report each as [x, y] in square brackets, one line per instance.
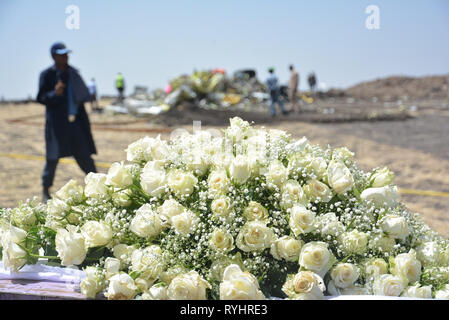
[120, 85]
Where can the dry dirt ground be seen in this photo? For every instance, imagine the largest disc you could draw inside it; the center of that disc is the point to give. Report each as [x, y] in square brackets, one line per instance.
[416, 149]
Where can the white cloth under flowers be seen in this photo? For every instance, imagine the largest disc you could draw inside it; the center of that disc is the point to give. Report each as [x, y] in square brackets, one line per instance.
[43, 272]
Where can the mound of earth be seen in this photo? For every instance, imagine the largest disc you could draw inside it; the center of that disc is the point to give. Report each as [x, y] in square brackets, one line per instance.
[398, 87]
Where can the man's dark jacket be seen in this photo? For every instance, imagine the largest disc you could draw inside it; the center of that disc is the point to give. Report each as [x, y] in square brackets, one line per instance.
[58, 138]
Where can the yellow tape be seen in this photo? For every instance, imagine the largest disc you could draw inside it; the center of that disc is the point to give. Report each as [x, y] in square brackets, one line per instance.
[107, 165]
[424, 192]
[62, 160]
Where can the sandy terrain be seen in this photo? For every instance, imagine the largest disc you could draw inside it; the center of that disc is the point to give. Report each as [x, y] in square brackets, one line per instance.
[417, 150]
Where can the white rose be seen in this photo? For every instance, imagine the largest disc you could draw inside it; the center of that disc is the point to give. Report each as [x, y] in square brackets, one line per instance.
[23, 216]
[221, 207]
[119, 176]
[221, 240]
[388, 285]
[382, 243]
[14, 257]
[189, 286]
[148, 262]
[96, 233]
[291, 193]
[406, 265]
[71, 192]
[301, 220]
[71, 246]
[123, 252]
[168, 275]
[305, 285]
[219, 265]
[287, 248]
[156, 292]
[443, 293]
[146, 222]
[383, 196]
[424, 292]
[381, 177]
[57, 207]
[375, 267]
[428, 252]
[222, 160]
[181, 183]
[298, 162]
[153, 179]
[12, 233]
[95, 185]
[159, 149]
[316, 256]
[139, 150]
[121, 287]
[329, 224]
[297, 146]
[239, 285]
[343, 154]
[238, 129]
[339, 177]
[395, 226]
[317, 190]
[185, 222]
[277, 174]
[354, 242]
[197, 164]
[345, 274]
[256, 150]
[121, 198]
[111, 266]
[240, 169]
[142, 284]
[218, 182]
[92, 283]
[169, 209]
[254, 236]
[318, 165]
[255, 211]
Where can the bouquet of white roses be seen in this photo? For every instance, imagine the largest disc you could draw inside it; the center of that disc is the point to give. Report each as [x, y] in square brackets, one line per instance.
[245, 213]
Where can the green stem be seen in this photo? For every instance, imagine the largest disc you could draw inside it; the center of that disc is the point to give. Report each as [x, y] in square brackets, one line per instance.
[43, 257]
[142, 193]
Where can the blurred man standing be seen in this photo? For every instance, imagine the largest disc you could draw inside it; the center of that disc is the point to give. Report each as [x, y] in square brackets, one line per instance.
[312, 82]
[293, 88]
[120, 86]
[274, 91]
[93, 95]
[67, 127]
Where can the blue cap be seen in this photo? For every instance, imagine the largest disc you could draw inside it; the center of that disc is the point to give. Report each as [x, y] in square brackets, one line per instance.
[59, 48]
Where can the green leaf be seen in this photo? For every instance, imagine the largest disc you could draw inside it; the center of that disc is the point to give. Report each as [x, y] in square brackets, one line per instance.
[135, 274]
[350, 224]
[356, 192]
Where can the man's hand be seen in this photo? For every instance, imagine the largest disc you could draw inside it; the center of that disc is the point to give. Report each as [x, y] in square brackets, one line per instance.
[59, 88]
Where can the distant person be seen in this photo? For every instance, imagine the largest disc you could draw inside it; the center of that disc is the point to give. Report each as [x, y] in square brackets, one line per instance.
[274, 91]
[312, 82]
[93, 95]
[67, 127]
[120, 86]
[293, 88]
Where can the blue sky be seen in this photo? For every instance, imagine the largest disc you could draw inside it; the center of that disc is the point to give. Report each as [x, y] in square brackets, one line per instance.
[151, 42]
